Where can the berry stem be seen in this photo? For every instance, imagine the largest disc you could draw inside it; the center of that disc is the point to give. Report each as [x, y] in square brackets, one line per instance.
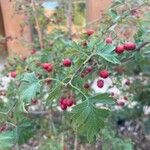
[78, 90]
[78, 70]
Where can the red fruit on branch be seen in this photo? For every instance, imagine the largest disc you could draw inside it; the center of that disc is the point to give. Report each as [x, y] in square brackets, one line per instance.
[119, 49]
[125, 98]
[86, 85]
[104, 74]
[89, 32]
[69, 102]
[84, 43]
[66, 102]
[63, 107]
[129, 46]
[108, 40]
[34, 102]
[127, 82]
[100, 83]
[50, 68]
[13, 74]
[47, 66]
[89, 69]
[67, 62]
[120, 103]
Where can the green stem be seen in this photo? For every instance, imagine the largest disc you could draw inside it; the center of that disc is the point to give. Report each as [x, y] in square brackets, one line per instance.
[54, 79]
[78, 90]
[82, 65]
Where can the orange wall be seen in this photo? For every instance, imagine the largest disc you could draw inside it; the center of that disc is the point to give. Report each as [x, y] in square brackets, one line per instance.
[95, 8]
[12, 23]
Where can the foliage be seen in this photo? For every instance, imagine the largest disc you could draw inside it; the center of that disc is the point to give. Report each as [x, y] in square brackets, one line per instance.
[45, 89]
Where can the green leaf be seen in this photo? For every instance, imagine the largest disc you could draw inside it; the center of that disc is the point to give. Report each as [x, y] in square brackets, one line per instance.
[110, 58]
[114, 15]
[25, 131]
[29, 87]
[7, 139]
[54, 93]
[102, 98]
[94, 41]
[107, 53]
[88, 119]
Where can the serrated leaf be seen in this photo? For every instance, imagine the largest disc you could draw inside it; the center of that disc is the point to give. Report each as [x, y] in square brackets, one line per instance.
[54, 93]
[110, 58]
[107, 53]
[29, 87]
[93, 43]
[7, 139]
[25, 131]
[86, 118]
[103, 99]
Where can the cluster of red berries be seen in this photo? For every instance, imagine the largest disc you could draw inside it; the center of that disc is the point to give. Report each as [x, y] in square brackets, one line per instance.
[66, 102]
[103, 74]
[49, 67]
[129, 46]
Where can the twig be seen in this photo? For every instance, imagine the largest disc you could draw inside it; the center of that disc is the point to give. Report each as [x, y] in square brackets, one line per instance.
[37, 25]
[76, 142]
[78, 70]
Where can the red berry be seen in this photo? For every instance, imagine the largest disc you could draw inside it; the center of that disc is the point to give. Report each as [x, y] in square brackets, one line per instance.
[120, 103]
[45, 65]
[89, 69]
[89, 32]
[63, 107]
[125, 98]
[67, 62]
[127, 82]
[34, 102]
[119, 49]
[50, 68]
[63, 101]
[109, 40]
[129, 46]
[104, 74]
[82, 75]
[112, 93]
[13, 74]
[84, 43]
[33, 51]
[69, 102]
[86, 85]
[100, 83]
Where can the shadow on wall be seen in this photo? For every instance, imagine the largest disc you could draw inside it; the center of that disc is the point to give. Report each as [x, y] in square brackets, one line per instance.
[3, 48]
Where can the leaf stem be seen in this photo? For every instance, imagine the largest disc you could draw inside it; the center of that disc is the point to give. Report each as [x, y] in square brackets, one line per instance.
[78, 90]
[54, 79]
